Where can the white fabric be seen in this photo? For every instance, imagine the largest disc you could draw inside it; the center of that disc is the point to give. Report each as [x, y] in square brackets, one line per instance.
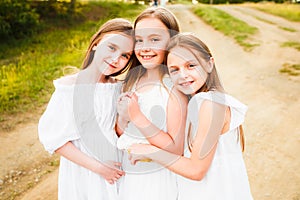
[147, 180]
[68, 117]
[227, 177]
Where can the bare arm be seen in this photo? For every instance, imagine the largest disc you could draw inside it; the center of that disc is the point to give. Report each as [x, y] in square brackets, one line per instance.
[108, 171]
[212, 124]
[173, 139]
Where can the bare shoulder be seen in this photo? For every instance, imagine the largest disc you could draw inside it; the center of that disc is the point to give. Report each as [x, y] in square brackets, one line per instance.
[68, 80]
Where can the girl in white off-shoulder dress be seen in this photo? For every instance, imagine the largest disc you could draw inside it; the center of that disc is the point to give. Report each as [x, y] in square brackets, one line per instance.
[148, 89]
[79, 122]
[212, 167]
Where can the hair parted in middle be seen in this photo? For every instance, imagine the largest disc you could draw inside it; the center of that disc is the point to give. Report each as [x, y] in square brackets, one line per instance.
[117, 25]
[171, 23]
[200, 50]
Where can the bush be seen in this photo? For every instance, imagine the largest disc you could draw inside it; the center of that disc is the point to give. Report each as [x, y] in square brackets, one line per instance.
[17, 19]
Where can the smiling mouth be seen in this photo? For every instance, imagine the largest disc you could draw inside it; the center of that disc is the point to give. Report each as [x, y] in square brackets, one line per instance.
[147, 57]
[110, 65]
[188, 83]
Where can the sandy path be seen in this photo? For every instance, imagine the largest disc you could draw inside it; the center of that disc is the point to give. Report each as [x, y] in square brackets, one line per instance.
[272, 129]
[272, 123]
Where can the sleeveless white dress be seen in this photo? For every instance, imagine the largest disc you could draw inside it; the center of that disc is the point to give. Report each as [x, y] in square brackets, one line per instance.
[227, 177]
[147, 180]
[85, 115]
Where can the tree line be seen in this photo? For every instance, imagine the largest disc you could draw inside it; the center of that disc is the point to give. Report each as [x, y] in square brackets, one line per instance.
[22, 18]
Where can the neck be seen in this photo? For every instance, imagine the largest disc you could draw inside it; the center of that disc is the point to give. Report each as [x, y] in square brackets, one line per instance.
[152, 74]
[90, 75]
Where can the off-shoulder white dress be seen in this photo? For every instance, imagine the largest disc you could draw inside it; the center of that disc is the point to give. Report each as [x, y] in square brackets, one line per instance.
[85, 115]
[147, 180]
[227, 177]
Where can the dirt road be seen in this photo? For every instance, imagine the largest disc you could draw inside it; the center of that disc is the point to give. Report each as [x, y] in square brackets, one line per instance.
[272, 123]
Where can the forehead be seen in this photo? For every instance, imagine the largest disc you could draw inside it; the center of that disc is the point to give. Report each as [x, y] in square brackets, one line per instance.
[182, 54]
[150, 25]
[118, 39]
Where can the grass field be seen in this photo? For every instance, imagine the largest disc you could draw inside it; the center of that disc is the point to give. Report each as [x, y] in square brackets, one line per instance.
[225, 23]
[27, 67]
[288, 11]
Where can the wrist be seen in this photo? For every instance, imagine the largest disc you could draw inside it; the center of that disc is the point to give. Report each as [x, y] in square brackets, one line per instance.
[139, 120]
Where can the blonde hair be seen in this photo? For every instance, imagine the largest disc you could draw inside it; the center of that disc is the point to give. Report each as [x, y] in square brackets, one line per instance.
[213, 83]
[117, 25]
[171, 22]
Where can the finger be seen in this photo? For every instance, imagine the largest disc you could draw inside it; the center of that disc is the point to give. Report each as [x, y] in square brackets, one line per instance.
[117, 164]
[134, 96]
[132, 161]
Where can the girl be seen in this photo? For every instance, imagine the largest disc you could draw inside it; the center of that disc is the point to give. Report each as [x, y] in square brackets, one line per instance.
[159, 117]
[212, 167]
[79, 120]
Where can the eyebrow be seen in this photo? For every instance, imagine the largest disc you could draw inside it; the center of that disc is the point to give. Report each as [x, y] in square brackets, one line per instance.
[113, 44]
[151, 35]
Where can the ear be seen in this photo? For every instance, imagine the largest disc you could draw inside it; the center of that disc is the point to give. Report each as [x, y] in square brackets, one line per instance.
[210, 65]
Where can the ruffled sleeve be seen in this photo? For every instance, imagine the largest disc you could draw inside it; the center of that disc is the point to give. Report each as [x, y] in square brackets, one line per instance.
[57, 126]
[238, 109]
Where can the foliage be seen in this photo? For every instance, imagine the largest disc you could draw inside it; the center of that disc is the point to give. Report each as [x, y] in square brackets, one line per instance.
[225, 23]
[28, 66]
[288, 11]
[290, 69]
[17, 19]
[292, 44]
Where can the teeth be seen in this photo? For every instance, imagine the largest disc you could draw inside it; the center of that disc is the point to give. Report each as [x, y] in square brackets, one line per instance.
[146, 57]
[186, 84]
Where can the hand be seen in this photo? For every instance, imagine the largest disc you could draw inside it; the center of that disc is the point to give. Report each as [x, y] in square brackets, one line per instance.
[128, 107]
[122, 106]
[140, 152]
[110, 171]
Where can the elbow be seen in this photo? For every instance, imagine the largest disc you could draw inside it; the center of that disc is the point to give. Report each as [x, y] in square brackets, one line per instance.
[197, 175]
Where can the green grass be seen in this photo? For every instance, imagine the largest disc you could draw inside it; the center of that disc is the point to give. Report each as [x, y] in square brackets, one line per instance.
[290, 12]
[27, 67]
[228, 25]
[290, 69]
[264, 20]
[287, 29]
[292, 44]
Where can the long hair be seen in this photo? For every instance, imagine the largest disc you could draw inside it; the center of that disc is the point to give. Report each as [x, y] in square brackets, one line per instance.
[212, 83]
[117, 25]
[171, 22]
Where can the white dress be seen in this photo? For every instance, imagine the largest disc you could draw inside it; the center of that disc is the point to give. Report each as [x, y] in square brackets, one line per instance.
[147, 180]
[85, 115]
[227, 177]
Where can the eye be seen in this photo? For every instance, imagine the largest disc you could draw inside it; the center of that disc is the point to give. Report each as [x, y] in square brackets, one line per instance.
[172, 70]
[191, 66]
[138, 40]
[125, 55]
[112, 48]
[154, 39]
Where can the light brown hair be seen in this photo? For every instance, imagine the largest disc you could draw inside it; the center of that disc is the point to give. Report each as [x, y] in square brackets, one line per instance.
[170, 21]
[212, 83]
[117, 25]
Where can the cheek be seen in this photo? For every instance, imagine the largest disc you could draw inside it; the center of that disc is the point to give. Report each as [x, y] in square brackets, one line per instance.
[123, 63]
[174, 78]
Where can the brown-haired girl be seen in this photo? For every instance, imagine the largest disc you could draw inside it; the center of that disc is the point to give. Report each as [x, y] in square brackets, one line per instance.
[212, 167]
[79, 122]
[155, 111]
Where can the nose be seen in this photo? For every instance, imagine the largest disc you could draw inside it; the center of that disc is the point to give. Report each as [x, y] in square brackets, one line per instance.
[183, 73]
[145, 46]
[115, 57]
